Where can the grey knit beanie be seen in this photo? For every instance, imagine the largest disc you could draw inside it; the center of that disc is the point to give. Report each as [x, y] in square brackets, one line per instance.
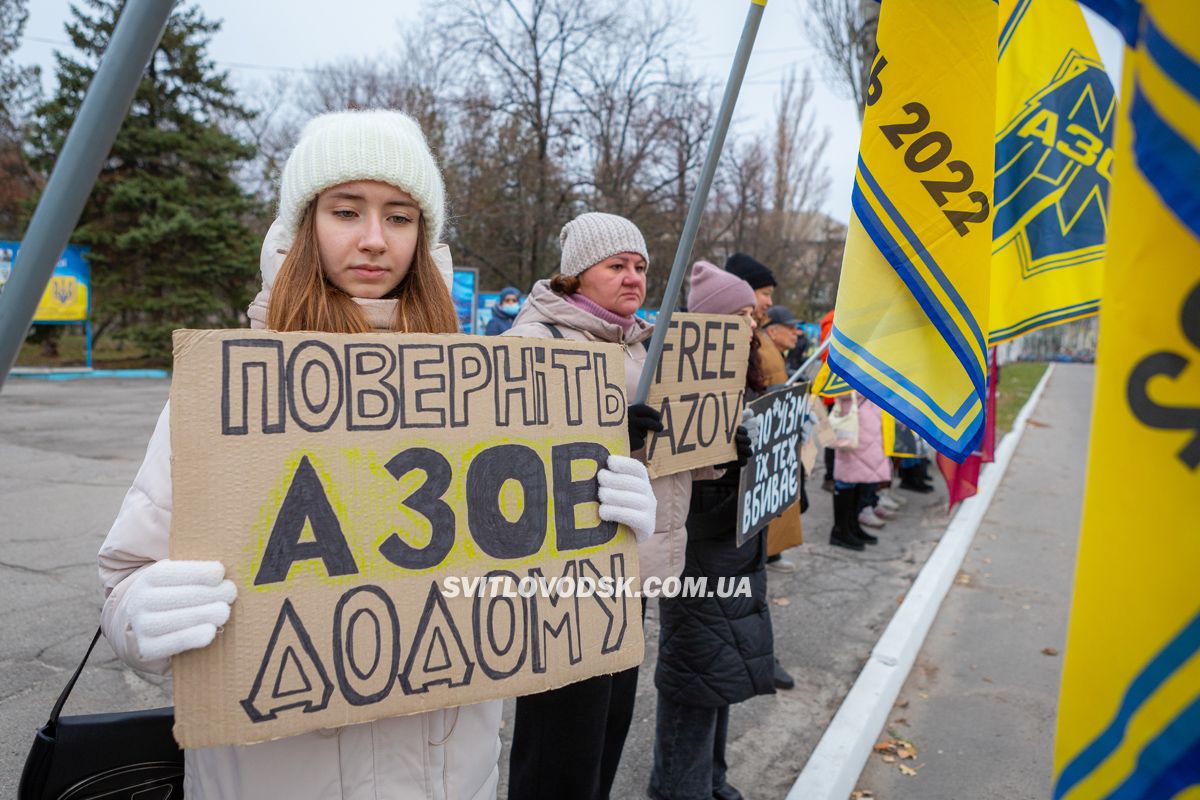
[590, 238]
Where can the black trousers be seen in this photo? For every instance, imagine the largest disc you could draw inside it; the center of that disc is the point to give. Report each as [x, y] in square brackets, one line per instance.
[567, 742]
[689, 750]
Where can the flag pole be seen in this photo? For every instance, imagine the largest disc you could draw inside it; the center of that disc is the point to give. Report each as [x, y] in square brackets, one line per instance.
[696, 209]
[808, 362]
[91, 137]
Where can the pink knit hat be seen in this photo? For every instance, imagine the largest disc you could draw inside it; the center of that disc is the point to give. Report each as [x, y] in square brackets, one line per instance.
[715, 291]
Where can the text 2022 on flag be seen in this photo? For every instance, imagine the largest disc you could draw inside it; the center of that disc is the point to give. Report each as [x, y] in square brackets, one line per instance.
[1129, 708]
[1055, 109]
[910, 330]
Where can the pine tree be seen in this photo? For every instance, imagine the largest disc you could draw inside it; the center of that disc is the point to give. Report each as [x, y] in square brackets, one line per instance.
[19, 86]
[168, 227]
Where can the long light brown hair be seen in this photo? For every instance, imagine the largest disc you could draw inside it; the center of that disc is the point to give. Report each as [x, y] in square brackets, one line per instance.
[303, 299]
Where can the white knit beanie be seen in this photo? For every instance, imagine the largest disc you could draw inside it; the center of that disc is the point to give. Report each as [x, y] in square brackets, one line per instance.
[369, 145]
[590, 238]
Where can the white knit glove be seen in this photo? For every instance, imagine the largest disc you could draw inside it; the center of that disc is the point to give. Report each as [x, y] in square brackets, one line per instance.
[626, 496]
[178, 605]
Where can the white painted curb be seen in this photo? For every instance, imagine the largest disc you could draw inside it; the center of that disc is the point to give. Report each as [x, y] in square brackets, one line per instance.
[833, 769]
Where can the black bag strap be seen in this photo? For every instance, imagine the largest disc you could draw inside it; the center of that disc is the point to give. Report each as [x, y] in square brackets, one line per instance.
[66, 692]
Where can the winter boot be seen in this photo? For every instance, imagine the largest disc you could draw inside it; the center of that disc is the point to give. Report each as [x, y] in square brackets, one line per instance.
[855, 516]
[886, 501]
[842, 534]
[923, 469]
[869, 518]
[910, 479]
[882, 512]
[782, 679]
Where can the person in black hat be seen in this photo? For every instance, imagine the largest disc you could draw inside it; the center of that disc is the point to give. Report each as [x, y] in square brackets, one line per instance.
[786, 530]
[781, 328]
[760, 278]
[784, 330]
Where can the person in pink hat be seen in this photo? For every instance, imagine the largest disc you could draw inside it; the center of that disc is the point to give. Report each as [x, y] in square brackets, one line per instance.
[713, 651]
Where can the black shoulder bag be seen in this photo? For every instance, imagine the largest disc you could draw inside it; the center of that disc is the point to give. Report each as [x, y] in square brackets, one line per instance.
[114, 756]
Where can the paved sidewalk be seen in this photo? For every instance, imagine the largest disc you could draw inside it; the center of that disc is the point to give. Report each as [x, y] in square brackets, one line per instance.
[69, 450]
[980, 702]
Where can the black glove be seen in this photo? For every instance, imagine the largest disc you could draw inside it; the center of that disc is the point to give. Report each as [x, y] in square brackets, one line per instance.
[642, 418]
[745, 450]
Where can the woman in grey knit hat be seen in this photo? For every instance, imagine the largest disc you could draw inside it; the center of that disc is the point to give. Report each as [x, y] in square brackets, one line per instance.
[567, 742]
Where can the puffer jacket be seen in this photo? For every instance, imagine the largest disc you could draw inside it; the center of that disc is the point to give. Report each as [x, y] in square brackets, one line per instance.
[450, 754]
[662, 555]
[714, 651]
[866, 463]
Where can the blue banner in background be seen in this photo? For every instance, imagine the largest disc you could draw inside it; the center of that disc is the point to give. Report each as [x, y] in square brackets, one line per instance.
[68, 296]
[466, 287]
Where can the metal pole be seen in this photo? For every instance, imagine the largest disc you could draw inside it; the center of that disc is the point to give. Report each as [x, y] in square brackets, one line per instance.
[684, 251]
[91, 137]
[808, 362]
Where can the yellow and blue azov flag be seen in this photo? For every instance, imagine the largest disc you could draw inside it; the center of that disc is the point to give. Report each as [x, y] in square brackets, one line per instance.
[1055, 109]
[1129, 706]
[828, 384]
[912, 307]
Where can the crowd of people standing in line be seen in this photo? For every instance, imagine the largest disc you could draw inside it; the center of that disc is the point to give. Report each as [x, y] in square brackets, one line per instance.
[356, 249]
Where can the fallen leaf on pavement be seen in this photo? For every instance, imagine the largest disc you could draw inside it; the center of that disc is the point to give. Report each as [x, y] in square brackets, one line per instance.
[781, 601]
[1049, 651]
[907, 770]
[1034, 423]
[907, 752]
[901, 721]
[889, 759]
[862, 794]
[963, 579]
[902, 704]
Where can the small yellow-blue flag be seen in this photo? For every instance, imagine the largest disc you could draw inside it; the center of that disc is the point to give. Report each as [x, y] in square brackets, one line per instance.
[1055, 108]
[912, 306]
[828, 384]
[1129, 706]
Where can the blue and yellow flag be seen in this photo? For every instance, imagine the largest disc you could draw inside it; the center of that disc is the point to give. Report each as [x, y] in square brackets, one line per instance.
[1129, 707]
[1055, 108]
[828, 384]
[912, 306]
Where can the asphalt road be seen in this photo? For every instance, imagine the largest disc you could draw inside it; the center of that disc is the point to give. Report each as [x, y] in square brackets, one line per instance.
[69, 450]
[980, 702]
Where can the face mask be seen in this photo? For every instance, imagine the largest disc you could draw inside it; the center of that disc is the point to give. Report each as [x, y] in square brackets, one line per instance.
[510, 309]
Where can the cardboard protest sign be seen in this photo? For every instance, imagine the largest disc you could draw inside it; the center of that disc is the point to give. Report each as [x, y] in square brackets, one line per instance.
[698, 388]
[770, 482]
[395, 510]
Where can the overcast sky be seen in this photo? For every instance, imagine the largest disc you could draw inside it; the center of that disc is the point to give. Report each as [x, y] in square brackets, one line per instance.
[261, 38]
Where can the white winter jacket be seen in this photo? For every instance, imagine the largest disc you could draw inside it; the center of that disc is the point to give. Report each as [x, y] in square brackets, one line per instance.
[450, 754]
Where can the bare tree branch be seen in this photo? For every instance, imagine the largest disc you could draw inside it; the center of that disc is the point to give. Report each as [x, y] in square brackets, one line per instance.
[844, 34]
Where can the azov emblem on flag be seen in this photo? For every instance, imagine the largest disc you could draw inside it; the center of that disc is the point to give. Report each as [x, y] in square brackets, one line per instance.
[1053, 169]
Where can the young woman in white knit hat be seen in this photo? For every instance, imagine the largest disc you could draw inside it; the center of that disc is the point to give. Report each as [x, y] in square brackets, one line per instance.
[567, 742]
[361, 207]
